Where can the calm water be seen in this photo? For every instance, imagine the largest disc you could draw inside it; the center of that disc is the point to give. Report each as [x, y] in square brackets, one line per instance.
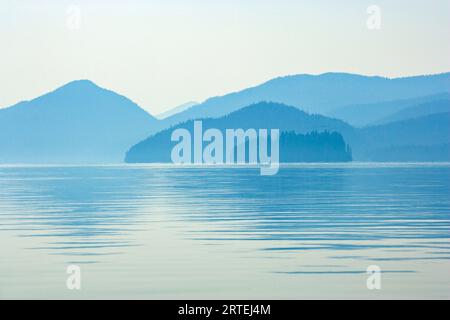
[167, 232]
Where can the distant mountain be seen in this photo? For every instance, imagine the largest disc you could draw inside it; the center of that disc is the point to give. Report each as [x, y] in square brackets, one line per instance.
[176, 110]
[318, 94]
[79, 122]
[371, 113]
[403, 140]
[432, 107]
[330, 145]
[83, 123]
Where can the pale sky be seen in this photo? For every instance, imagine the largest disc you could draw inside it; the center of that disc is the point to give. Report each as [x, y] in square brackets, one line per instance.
[164, 53]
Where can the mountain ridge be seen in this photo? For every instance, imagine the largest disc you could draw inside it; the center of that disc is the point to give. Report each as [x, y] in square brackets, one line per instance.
[317, 93]
[77, 122]
[426, 131]
[361, 115]
[83, 122]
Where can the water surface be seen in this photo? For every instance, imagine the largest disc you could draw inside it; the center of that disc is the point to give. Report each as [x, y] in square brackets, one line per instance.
[162, 231]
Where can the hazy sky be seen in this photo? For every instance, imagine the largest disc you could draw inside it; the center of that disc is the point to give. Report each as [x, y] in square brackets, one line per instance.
[163, 53]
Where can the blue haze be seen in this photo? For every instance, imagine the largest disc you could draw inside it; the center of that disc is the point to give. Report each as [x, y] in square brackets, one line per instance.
[83, 123]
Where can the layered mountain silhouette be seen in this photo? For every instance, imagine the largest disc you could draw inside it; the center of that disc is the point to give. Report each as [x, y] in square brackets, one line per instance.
[429, 108]
[423, 138]
[318, 94]
[77, 123]
[403, 119]
[305, 137]
[361, 115]
[176, 110]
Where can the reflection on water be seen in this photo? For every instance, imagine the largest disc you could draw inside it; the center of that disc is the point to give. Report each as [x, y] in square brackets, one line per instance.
[186, 232]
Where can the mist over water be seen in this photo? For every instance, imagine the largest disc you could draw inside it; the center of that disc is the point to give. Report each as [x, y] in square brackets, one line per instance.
[162, 231]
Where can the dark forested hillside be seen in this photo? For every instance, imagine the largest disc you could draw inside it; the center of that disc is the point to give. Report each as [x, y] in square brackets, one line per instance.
[314, 147]
[304, 137]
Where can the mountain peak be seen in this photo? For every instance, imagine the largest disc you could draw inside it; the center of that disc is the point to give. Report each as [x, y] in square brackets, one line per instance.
[80, 84]
[78, 122]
